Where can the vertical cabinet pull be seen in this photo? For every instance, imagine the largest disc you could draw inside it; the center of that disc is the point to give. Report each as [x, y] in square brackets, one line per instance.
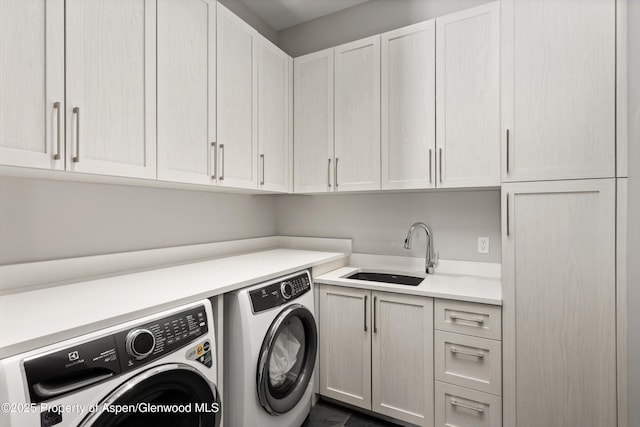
[329, 173]
[335, 172]
[507, 151]
[365, 313]
[440, 164]
[430, 174]
[508, 214]
[221, 178]
[214, 160]
[262, 168]
[76, 112]
[56, 155]
[375, 323]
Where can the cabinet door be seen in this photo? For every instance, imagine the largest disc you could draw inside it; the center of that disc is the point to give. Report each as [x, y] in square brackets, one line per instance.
[357, 115]
[345, 345]
[402, 357]
[111, 87]
[32, 83]
[559, 348]
[186, 90]
[558, 90]
[237, 112]
[408, 107]
[273, 116]
[313, 124]
[468, 97]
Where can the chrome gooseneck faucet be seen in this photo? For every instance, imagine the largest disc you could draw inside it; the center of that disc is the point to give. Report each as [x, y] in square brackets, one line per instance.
[430, 258]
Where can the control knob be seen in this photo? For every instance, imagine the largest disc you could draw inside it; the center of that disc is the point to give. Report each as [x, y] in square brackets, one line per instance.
[286, 289]
[140, 343]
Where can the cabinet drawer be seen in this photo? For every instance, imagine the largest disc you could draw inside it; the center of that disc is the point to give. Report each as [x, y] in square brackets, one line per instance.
[461, 407]
[468, 361]
[480, 320]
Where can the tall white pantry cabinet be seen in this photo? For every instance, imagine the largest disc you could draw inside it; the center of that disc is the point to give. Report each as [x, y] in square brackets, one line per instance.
[559, 213]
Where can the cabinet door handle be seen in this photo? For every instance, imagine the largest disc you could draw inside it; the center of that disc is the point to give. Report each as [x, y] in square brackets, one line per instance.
[365, 313]
[454, 317]
[507, 214]
[335, 171]
[329, 173]
[467, 353]
[462, 405]
[507, 151]
[262, 168]
[221, 178]
[430, 174]
[214, 160]
[56, 155]
[375, 323]
[76, 112]
[440, 164]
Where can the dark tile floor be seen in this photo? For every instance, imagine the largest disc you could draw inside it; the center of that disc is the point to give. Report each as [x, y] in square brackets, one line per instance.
[325, 414]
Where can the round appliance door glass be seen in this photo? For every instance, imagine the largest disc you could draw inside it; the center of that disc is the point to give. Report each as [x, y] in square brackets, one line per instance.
[287, 359]
[186, 397]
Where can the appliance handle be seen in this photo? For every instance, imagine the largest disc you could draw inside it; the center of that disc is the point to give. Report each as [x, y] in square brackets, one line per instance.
[46, 391]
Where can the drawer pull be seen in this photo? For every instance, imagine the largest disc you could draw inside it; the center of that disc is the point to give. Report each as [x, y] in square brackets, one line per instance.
[462, 405]
[454, 317]
[466, 353]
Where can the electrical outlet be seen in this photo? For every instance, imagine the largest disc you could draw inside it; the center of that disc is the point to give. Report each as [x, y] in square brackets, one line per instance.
[483, 245]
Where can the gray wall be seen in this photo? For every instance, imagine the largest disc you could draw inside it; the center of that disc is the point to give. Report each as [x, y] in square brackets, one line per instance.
[42, 220]
[250, 17]
[634, 211]
[378, 223]
[367, 19]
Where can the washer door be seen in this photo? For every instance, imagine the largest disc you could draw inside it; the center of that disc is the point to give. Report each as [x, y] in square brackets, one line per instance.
[196, 400]
[287, 359]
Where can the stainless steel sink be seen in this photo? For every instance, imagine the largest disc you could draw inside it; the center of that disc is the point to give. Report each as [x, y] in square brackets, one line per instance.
[396, 279]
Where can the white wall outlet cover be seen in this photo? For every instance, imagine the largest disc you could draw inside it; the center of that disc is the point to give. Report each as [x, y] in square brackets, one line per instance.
[483, 245]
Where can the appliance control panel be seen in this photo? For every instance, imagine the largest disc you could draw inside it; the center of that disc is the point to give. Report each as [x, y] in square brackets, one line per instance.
[149, 341]
[280, 292]
[64, 371]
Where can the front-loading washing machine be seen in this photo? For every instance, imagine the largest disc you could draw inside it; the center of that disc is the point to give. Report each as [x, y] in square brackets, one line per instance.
[271, 341]
[158, 370]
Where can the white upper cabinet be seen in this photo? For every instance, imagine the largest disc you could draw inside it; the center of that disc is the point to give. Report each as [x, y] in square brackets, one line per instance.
[558, 89]
[468, 98]
[274, 116]
[313, 122]
[408, 107]
[357, 115]
[32, 83]
[237, 109]
[111, 87]
[187, 90]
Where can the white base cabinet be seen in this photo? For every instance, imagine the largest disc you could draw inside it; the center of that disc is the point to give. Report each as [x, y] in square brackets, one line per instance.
[462, 407]
[376, 352]
[559, 309]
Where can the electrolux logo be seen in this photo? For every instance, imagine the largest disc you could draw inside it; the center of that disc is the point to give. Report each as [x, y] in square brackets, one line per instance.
[73, 356]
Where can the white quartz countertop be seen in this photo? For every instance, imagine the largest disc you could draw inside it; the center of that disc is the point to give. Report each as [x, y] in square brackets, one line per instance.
[34, 319]
[447, 286]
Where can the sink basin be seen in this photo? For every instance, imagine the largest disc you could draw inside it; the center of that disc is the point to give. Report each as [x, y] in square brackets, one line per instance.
[396, 279]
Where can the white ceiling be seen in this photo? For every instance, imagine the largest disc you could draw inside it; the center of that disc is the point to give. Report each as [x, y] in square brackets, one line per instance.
[281, 14]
